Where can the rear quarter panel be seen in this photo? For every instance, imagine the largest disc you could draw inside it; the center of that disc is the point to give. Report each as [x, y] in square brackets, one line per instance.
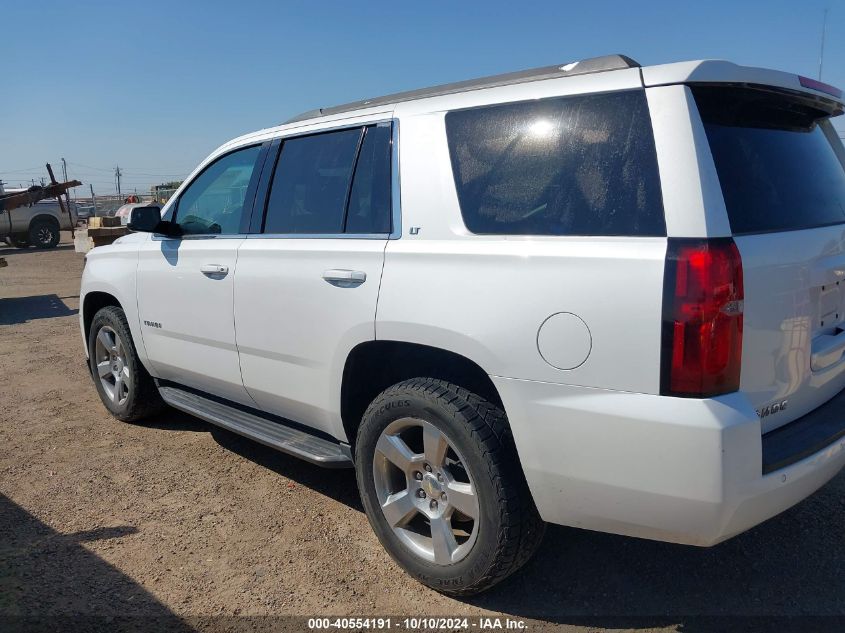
[486, 297]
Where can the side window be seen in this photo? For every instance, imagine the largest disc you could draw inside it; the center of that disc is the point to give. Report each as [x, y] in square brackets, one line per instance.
[369, 202]
[580, 165]
[214, 202]
[311, 183]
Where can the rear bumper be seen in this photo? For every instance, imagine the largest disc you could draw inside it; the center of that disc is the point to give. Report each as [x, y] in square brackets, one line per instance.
[671, 469]
[805, 436]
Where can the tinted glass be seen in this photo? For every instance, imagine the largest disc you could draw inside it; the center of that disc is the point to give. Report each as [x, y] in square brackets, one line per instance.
[214, 201]
[312, 178]
[581, 165]
[777, 167]
[369, 202]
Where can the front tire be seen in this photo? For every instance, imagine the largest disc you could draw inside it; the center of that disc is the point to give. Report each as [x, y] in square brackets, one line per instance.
[44, 233]
[123, 384]
[442, 486]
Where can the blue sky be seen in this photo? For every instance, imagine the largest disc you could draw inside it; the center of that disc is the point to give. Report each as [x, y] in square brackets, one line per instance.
[154, 86]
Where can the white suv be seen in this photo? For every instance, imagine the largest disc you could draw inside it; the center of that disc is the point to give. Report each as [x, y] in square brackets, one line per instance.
[596, 294]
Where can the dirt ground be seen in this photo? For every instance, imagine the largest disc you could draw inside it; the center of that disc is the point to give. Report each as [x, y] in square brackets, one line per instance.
[176, 524]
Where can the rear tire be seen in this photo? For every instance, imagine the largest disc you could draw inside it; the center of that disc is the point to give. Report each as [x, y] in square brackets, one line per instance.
[442, 486]
[123, 384]
[44, 233]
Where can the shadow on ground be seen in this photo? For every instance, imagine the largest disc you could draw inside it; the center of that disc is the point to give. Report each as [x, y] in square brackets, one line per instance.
[791, 568]
[22, 309]
[173, 420]
[7, 251]
[337, 484]
[49, 581]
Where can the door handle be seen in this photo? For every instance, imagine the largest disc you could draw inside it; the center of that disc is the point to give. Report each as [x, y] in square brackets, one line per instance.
[827, 350]
[345, 278]
[214, 269]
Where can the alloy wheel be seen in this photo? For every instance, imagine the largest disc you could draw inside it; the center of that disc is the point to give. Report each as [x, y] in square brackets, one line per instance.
[44, 235]
[111, 365]
[425, 491]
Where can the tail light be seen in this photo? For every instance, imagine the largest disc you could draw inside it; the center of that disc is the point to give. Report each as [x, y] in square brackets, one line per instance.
[806, 82]
[702, 318]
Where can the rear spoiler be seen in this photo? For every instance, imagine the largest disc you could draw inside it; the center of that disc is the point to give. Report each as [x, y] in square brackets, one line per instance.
[827, 97]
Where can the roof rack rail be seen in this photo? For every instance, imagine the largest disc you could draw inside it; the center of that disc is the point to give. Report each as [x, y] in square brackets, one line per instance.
[583, 67]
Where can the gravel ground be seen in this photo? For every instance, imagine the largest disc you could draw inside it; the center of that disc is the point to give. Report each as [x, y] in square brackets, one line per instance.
[178, 521]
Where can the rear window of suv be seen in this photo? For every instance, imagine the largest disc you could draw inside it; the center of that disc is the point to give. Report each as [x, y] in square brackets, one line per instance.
[579, 165]
[775, 157]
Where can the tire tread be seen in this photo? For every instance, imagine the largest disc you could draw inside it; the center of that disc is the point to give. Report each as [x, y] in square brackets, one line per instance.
[146, 400]
[520, 527]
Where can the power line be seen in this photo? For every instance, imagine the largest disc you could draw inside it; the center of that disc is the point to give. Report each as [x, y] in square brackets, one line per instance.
[90, 167]
[28, 170]
[141, 171]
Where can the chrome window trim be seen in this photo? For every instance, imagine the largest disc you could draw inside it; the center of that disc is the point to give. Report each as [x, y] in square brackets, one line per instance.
[319, 236]
[297, 133]
[395, 193]
[158, 237]
[395, 197]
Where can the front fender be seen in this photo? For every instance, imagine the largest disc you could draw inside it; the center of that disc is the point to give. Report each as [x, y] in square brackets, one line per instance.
[113, 270]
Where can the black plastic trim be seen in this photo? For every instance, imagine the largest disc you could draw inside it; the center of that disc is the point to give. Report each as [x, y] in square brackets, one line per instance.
[805, 436]
[256, 220]
[252, 188]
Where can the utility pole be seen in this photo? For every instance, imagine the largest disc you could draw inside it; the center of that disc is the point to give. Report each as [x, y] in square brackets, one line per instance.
[821, 52]
[117, 175]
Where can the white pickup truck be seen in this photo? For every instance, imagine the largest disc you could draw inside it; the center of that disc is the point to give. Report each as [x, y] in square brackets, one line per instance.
[597, 294]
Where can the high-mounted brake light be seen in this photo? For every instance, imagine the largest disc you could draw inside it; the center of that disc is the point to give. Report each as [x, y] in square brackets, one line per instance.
[702, 318]
[814, 84]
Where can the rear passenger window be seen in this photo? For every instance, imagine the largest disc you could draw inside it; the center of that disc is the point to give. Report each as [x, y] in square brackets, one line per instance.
[310, 186]
[581, 165]
[332, 183]
[369, 201]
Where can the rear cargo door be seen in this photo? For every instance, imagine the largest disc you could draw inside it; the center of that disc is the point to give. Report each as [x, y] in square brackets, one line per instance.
[781, 167]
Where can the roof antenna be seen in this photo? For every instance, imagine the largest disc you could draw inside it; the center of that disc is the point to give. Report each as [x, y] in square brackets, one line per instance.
[821, 52]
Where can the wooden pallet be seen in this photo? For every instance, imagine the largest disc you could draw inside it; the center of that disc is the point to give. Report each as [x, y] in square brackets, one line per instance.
[89, 238]
[108, 221]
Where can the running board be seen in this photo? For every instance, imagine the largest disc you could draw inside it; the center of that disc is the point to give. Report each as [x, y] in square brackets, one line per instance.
[287, 439]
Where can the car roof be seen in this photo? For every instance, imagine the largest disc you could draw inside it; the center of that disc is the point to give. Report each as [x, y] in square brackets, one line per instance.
[592, 65]
[698, 71]
[704, 71]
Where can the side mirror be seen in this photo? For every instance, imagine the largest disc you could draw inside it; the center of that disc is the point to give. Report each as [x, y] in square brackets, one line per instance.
[144, 219]
[148, 220]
